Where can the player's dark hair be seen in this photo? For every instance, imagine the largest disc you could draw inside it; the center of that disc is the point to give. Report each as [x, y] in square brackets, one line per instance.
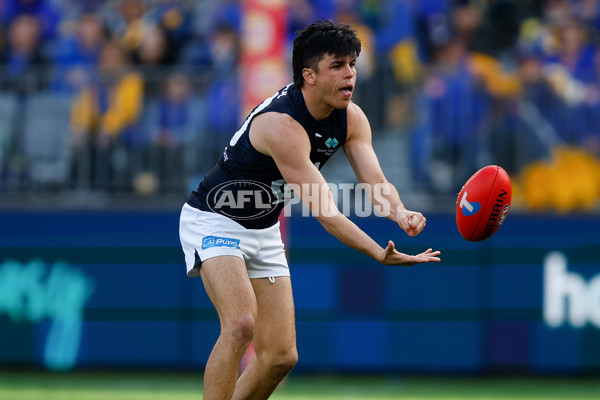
[318, 39]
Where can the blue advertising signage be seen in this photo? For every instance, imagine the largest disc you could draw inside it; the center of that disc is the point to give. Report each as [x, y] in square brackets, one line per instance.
[97, 289]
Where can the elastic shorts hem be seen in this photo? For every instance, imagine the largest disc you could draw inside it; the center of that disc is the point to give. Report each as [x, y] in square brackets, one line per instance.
[271, 274]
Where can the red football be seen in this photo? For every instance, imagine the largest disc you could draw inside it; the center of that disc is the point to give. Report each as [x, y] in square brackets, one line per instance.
[483, 203]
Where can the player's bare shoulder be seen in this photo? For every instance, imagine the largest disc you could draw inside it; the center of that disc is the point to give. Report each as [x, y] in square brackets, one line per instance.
[354, 111]
[357, 121]
[271, 130]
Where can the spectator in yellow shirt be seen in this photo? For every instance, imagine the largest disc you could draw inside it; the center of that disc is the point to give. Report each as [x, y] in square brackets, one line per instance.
[105, 114]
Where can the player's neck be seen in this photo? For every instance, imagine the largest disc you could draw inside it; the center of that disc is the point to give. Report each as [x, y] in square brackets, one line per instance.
[318, 109]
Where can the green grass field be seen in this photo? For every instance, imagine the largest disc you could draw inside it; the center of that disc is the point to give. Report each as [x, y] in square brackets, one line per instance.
[25, 385]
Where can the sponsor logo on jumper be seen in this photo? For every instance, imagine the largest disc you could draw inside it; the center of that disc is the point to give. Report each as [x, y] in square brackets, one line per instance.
[217, 241]
[468, 208]
[318, 134]
[331, 143]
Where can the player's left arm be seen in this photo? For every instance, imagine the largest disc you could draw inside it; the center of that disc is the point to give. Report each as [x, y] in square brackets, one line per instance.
[364, 162]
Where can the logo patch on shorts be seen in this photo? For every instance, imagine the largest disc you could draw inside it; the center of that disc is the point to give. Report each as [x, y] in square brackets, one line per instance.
[217, 241]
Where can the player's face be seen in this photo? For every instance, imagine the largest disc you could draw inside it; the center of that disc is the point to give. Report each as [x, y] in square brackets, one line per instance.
[336, 79]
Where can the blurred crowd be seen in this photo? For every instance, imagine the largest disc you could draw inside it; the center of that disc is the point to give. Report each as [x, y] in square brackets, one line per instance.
[515, 83]
[150, 91]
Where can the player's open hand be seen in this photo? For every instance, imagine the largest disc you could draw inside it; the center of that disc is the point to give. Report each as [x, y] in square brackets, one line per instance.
[411, 222]
[393, 257]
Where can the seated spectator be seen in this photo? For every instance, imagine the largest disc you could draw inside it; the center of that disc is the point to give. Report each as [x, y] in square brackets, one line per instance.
[537, 111]
[301, 14]
[77, 55]
[106, 112]
[174, 19]
[175, 119]
[456, 105]
[132, 24]
[152, 50]
[22, 58]
[209, 14]
[152, 58]
[43, 10]
[176, 124]
[572, 76]
[224, 99]
[219, 59]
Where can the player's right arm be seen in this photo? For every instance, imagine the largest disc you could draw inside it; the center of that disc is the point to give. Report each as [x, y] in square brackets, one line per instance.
[281, 137]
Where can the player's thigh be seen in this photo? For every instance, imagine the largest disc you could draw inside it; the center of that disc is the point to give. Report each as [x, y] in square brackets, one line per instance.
[227, 284]
[275, 324]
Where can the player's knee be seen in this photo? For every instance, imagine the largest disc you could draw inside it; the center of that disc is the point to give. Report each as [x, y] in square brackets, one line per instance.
[282, 363]
[290, 360]
[240, 331]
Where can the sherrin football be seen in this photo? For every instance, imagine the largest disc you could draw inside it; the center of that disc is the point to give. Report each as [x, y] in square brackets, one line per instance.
[483, 203]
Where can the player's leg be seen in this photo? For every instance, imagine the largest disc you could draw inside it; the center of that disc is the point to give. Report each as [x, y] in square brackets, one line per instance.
[227, 284]
[274, 340]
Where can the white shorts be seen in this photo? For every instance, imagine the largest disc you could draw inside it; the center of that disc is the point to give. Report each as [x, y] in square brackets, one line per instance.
[204, 235]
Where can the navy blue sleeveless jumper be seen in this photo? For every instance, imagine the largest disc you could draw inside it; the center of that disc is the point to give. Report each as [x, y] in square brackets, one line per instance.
[246, 185]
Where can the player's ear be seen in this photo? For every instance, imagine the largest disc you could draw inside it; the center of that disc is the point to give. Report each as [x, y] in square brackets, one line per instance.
[309, 76]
